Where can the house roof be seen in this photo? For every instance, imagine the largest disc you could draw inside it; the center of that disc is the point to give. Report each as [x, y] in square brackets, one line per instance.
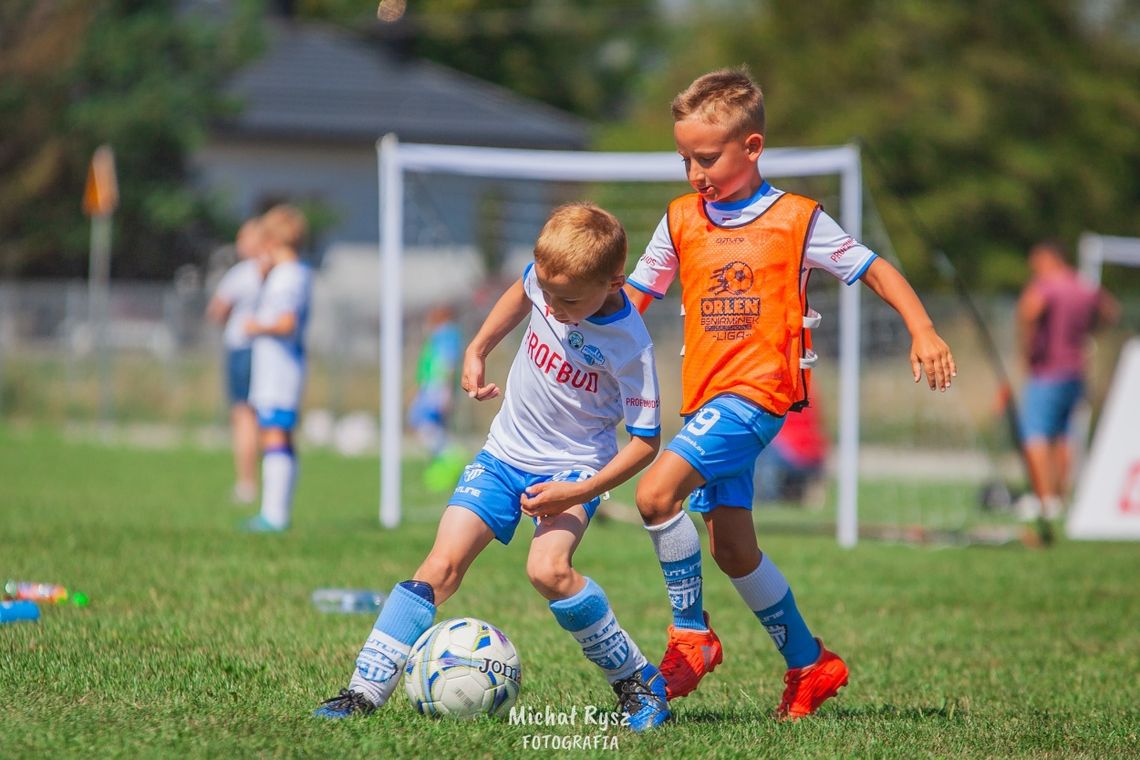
[319, 83]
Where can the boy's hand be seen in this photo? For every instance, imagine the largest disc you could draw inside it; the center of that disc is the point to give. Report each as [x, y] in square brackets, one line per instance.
[552, 497]
[472, 382]
[929, 354]
[252, 327]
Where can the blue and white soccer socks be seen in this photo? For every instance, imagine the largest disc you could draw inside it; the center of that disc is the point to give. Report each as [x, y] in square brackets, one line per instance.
[278, 474]
[590, 620]
[767, 594]
[678, 549]
[407, 613]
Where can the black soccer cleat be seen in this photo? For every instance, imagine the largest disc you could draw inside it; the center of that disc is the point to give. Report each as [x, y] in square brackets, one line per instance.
[344, 705]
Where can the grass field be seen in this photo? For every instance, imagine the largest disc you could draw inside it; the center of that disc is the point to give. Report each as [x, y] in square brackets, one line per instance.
[200, 641]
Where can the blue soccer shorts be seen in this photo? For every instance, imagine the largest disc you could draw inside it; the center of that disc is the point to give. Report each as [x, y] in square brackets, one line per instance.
[491, 488]
[238, 363]
[1047, 406]
[721, 440]
[286, 419]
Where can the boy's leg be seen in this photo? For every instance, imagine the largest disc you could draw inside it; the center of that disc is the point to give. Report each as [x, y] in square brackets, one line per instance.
[814, 674]
[278, 478]
[243, 420]
[693, 649]
[581, 607]
[409, 611]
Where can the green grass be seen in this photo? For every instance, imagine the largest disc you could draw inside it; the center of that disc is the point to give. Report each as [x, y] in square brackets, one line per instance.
[200, 641]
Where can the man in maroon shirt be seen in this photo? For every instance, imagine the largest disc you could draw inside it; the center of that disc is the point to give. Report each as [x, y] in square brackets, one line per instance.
[1056, 313]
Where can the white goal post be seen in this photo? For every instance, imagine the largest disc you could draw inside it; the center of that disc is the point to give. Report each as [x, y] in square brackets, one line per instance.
[1094, 251]
[396, 158]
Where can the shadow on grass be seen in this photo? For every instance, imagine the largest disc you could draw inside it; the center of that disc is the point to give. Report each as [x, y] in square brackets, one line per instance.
[950, 710]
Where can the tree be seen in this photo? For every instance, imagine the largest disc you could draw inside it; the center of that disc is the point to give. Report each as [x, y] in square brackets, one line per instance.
[581, 56]
[1000, 122]
[135, 74]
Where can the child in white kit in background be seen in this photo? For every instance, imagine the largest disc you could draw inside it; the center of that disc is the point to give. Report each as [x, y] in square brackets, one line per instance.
[233, 303]
[278, 331]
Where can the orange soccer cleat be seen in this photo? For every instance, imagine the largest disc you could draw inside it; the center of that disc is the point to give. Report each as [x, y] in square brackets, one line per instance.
[810, 686]
[689, 655]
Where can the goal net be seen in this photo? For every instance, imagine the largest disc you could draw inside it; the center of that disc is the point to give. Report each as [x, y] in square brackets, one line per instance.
[458, 224]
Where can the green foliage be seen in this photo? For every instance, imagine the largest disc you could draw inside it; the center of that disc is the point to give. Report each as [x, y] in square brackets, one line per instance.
[201, 642]
[135, 75]
[1000, 122]
[582, 56]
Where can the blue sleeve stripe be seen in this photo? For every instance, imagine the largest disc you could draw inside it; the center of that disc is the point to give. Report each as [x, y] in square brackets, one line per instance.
[863, 269]
[645, 289]
[644, 432]
[526, 269]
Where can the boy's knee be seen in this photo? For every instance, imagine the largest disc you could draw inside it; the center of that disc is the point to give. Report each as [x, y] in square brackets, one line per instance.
[735, 558]
[551, 578]
[442, 572]
[655, 505]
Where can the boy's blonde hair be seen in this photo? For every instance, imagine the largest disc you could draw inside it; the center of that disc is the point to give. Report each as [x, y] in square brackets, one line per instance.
[727, 97]
[582, 241]
[284, 224]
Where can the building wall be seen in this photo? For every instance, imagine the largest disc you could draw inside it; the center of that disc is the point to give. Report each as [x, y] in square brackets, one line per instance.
[342, 177]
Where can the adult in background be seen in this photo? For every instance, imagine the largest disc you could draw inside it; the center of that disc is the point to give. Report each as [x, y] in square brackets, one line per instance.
[233, 303]
[1057, 312]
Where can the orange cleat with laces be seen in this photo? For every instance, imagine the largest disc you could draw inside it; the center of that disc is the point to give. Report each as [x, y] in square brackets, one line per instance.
[810, 686]
[689, 655]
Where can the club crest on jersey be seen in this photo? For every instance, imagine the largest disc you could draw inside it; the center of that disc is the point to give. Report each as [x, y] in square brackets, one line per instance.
[593, 355]
[575, 339]
[734, 277]
[472, 471]
[728, 313]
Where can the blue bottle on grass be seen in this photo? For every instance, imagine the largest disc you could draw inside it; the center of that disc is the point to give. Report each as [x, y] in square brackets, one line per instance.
[17, 610]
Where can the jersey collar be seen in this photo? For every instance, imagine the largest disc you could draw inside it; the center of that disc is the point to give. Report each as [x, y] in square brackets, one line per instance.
[621, 313]
[744, 203]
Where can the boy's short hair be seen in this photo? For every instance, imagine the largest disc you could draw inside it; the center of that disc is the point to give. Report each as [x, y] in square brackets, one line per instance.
[582, 241]
[285, 225]
[727, 97]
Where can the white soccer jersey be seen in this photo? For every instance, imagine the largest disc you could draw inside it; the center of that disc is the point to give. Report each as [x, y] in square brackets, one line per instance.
[278, 373]
[570, 385]
[239, 287]
[828, 248]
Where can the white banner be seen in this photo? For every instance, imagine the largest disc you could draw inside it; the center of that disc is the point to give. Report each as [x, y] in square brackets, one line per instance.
[1107, 506]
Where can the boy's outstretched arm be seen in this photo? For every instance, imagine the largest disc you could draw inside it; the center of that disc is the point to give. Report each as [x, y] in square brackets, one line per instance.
[928, 352]
[551, 498]
[511, 309]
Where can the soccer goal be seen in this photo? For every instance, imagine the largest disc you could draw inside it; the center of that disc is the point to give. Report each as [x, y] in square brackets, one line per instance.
[458, 223]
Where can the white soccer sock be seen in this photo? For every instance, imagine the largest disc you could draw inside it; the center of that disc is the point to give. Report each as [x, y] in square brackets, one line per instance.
[763, 587]
[379, 667]
[278, 474]
[676, 539]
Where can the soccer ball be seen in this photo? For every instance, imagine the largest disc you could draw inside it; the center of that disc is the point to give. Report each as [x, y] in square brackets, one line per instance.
[462, 668]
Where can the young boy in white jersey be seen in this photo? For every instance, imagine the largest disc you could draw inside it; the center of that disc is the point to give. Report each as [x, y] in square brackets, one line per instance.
[233, 303]
[744, 250]
[585, 364]
[278, 332]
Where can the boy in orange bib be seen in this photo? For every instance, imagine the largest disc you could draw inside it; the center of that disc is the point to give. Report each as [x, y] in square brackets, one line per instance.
[744, 250]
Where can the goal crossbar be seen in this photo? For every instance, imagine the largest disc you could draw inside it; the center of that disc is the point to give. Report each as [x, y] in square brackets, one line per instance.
[394, 159]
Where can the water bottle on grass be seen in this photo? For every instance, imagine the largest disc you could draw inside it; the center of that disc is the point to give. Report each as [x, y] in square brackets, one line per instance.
[17, 610]
[43, 592]
[348, 600]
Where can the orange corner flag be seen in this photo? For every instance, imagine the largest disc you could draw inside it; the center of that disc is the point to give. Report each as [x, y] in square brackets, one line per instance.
[101, 196]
